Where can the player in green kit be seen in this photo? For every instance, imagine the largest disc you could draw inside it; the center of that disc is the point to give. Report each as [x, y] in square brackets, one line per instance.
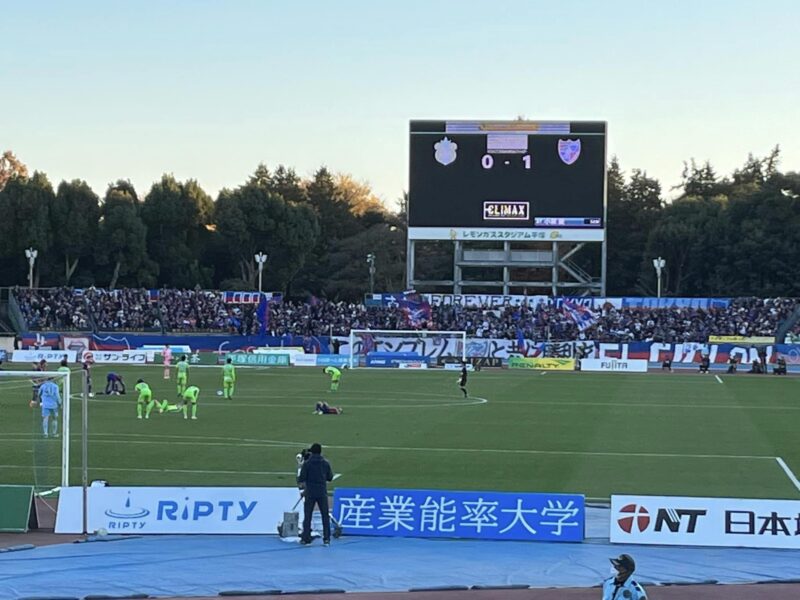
[335, 375]
[190, 396]
[228, 379]
[145, 400]
[183, 375]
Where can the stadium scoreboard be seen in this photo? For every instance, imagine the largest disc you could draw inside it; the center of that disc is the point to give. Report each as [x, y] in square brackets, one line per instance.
[507, 180]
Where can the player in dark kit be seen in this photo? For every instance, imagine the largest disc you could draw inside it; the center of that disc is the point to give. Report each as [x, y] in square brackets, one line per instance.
[462, 381]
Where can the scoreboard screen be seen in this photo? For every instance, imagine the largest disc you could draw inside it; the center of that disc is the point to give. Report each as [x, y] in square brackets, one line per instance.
[507, 180]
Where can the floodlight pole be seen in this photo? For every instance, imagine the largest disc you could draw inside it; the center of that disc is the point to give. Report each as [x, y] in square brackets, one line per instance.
[659, 264]
[261, 258]
[31, 255]
[371, 263]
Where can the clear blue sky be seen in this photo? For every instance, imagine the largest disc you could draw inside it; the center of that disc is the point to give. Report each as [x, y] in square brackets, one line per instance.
[103, 90]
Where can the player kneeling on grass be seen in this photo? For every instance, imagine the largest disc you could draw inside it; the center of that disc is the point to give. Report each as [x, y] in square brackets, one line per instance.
[145, 400]
[114, 384]
[190, 397]
[323, 409]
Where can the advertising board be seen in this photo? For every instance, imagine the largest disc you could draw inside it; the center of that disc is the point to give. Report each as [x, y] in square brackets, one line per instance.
[614, 365]
[164, 510]
[731, 522]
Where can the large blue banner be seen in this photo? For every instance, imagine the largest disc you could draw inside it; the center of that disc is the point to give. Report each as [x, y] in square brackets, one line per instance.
[477, 515]
[392, 359]
[335, 360]
[198, 342]
[704, 303]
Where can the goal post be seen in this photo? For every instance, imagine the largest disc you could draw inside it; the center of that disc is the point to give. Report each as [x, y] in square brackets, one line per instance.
[32, 455]
[434, 345]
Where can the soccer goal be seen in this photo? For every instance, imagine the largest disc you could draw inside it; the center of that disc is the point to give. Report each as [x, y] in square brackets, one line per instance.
[35, 442]
[436, 346]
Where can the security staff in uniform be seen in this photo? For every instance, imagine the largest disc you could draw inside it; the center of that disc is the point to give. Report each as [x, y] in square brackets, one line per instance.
[622, 586]
[313, 480]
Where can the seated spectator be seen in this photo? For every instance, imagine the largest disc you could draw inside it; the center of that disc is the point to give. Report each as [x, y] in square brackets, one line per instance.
[780, 366]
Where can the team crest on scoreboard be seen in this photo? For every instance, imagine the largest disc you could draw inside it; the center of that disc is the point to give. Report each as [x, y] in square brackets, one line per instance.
[569, 150]
[445, 151]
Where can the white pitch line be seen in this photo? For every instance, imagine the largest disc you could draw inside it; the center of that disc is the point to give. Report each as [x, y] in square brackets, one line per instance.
[248, 443]
[469, 401]
[788, 472]
[195, 471]
[718, 378]
[642, 405]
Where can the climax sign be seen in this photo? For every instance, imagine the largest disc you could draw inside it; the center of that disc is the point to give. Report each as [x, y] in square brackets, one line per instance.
[506, 211]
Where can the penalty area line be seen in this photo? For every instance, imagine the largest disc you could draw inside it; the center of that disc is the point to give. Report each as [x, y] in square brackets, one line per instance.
[788, 472]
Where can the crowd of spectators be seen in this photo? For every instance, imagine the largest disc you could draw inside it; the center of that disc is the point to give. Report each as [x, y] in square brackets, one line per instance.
[204, 310]
[743, 317]
[320, 317]
[132, 309]
[200, 310]
[125, 309]
[53, 309]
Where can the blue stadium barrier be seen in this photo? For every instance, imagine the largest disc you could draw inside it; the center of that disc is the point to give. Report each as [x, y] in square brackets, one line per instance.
[230, 593]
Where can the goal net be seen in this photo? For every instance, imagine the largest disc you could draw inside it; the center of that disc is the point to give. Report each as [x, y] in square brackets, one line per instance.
[35, 439]
[386, 348]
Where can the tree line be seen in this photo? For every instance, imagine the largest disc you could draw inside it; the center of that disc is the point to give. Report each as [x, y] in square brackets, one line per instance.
[736, 235]
[731, 235]
[316, 234]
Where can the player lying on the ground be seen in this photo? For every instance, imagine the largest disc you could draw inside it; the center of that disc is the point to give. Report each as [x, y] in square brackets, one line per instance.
[324, 409]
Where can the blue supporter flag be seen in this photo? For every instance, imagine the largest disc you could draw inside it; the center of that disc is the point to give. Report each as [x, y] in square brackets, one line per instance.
[262, 312]
[520, 340]
[581, 315]
[416, 309]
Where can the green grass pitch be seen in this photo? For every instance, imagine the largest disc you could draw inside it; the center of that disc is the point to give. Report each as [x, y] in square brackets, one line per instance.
[596, 434]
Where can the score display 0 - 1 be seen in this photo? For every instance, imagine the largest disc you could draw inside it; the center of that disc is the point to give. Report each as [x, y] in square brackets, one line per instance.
[502, 175]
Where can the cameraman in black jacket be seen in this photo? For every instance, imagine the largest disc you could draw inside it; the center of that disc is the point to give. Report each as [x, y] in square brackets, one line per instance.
[313, 480]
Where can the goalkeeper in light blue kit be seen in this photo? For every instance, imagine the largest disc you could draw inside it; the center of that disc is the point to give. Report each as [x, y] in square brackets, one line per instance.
[50, 399]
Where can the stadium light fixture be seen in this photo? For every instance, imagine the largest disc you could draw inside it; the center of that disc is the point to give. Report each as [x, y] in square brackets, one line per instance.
[261, 258]
[31, 255]
[371, 263]
[659, 264]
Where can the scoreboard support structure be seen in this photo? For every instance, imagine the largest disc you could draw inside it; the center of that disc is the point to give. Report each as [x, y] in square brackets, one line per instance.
[557, 273]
